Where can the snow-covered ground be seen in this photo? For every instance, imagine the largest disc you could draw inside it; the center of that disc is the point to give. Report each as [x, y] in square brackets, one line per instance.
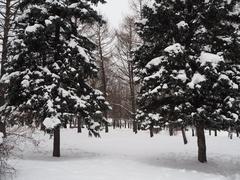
[122, 155]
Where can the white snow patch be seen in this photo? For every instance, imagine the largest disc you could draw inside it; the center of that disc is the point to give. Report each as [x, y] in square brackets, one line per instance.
[101, 98]
[94, 125]
[80, 102]
[7, 77]
[121, 154]
[201, 30]
[234, 85]
[182, 76]
[182, 24]
[165, 86]
[235, 116]
[48, 72]
[196, 79]
[179, 120]
[64, 93]
[142, 21]
[174, 49]
[48, 22]
[73, 44]
[33, 28]
[200, 110]
[223, 76]
[52, 122]
[155, 62]
[25, 83]
[50, 105]
[236, 10]
[73, 5]
[1, 137]
[226, 39]
[230, 82]
[155, 117]
[158, 74]
[214, 59]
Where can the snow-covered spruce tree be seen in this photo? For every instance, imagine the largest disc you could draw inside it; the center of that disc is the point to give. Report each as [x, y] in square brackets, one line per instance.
[163, 90]
[51, 65]
[188, 66]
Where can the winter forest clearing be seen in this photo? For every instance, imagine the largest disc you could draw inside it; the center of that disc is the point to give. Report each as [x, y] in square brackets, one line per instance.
[156, 96]
[123, 155]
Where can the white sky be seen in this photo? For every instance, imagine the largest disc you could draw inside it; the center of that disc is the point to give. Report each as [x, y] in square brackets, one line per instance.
[114, 11]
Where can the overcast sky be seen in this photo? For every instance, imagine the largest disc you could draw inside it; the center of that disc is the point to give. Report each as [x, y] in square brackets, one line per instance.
[114, 11]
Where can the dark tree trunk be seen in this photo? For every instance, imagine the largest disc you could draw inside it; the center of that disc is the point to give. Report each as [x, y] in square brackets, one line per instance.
[106, 127]
[151, 130]
[6, 29]
[56, 138]
[42, 127]
[3, 129]
[120, 124]
[131, 81]
[117, 124]
[202, 156]
[65, 125]
[184, 136]
[103, 75]
[171, 131]
[135, 128]
[193, 133]
[215, 132]
[138, 126]
[210, 132]
[2, 121]
[56, 142]
[237, 133]
[79, 127]
[114, 123]
[75, 123]
[230, 133]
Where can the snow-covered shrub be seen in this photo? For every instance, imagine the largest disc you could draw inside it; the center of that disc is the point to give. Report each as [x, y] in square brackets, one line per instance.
[4, 155]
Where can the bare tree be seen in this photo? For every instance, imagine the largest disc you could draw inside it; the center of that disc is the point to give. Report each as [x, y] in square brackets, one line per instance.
[137, 7]
[103, 37]
[127, 41]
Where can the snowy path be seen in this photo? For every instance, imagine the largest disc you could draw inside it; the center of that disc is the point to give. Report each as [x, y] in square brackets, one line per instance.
[121, 155]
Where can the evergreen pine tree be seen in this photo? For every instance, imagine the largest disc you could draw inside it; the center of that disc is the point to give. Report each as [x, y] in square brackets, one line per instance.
[51, 65]
[188, 66]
